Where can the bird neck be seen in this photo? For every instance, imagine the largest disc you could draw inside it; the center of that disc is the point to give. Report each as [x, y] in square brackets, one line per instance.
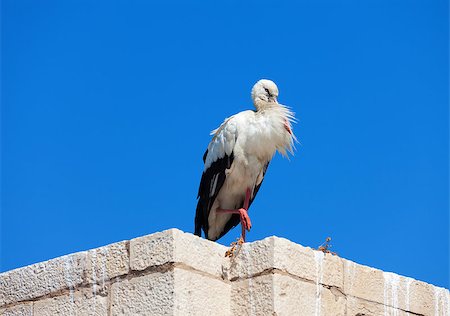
[264, 105]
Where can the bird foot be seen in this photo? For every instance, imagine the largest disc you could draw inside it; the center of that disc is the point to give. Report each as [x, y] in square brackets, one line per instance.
[235, 248]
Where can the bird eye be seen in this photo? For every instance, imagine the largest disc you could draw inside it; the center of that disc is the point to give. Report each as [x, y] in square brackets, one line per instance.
[267, 90]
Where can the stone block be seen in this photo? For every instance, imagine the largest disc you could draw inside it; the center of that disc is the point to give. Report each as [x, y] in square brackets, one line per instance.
[422, 298]
[81, 302]
[441, 301]
[175, 273]
[253, 296]
[280, 294]
[392, 290]
[333, 270]
[361, 307]
[273, 253]
[364, 282]
[173, 292]
[295, 297]
[297, 260]
[332, 301]
[42, 278]
[151, 294]
[284, 255]
[202, 295]
[25, 309]
[106, 263]
[175, 246]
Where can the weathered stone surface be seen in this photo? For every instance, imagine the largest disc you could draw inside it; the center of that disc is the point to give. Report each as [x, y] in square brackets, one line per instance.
[393, 291]
[42, 278]
[253, 258]
[200, 254]
[105, 263]
[284, 255]
[295, 297]
[151, 294]
[361, 307]
[273, 252]
[333, 270]
[296, 259]
[422, 298]
[93, 266]
[441, 301]
[253, 296]
[175, 246]
[152, 250]
[174, 273]
[82, 302]
[389, 289]
[363, 282]
[175, 292]
[25, 309]
[197, 294]
[280, 294]
[332, 302]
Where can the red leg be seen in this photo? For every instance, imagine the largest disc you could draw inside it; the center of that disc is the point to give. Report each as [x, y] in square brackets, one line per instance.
[247, 199]
[246, 224]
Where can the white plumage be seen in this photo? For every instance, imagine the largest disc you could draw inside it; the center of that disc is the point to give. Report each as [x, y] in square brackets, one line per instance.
[237, 158]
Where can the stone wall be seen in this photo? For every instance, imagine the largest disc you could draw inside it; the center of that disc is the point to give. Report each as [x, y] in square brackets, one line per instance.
[176, 273]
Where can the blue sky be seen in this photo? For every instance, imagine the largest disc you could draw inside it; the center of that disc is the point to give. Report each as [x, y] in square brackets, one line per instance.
[107, 108]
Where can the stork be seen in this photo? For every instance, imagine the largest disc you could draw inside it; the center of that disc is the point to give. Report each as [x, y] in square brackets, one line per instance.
[237, 159]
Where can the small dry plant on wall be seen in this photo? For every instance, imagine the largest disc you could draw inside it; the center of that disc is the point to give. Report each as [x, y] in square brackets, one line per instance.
[325, 247]
[235, 248]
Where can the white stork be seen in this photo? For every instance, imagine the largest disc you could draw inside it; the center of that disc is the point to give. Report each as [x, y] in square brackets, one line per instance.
[237, 159]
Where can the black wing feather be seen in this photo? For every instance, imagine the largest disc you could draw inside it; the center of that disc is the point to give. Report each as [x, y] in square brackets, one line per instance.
[205, 201]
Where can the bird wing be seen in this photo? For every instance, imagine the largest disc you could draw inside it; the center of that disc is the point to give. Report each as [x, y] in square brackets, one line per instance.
[217, 158]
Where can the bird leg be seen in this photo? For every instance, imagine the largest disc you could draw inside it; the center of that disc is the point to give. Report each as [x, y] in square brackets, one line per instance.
[246, 224]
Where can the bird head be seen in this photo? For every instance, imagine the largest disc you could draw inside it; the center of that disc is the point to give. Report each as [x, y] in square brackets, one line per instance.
[264, 93]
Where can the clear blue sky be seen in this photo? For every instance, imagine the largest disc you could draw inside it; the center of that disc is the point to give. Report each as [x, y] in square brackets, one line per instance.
[107, 108]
